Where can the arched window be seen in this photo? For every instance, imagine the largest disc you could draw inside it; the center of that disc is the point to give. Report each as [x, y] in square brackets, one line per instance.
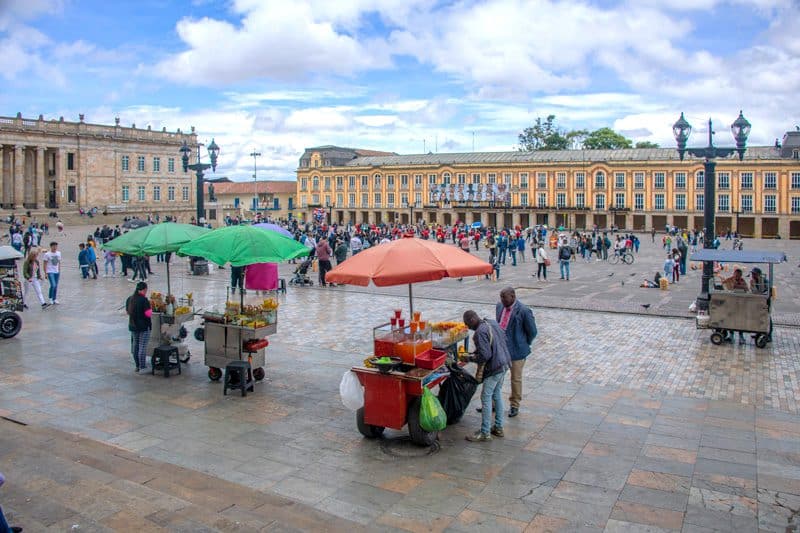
[600, 180]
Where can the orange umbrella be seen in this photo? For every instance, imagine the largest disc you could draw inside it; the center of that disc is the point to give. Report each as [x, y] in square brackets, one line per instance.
[407, 261]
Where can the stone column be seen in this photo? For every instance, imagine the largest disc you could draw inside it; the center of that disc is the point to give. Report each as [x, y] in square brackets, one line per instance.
[19, 176]
[60, 199]
[41, 193]
[2, 175]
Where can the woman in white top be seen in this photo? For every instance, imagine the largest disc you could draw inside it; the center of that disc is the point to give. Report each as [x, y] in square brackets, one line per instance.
[541, 263]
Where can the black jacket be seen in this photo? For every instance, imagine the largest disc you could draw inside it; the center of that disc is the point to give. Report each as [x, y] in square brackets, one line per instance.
[137, 321]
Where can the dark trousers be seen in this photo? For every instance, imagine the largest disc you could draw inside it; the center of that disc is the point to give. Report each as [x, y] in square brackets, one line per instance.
[324, 268]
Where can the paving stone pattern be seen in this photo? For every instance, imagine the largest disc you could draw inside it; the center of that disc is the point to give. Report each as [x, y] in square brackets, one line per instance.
[629, 423]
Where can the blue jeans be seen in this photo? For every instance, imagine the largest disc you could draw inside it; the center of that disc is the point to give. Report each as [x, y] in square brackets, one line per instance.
[4, 527]
[502, 256]
[513, 257]
[52, 278]
[139, 340]
[564, 266]
[492, 394]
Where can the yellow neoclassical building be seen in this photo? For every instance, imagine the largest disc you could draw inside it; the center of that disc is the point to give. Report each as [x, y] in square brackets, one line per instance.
[636, 189]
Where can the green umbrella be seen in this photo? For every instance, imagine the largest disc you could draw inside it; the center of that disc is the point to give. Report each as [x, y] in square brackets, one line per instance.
[244, 245]
[155, 239]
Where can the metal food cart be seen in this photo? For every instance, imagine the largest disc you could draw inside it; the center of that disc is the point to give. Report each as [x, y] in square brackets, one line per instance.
[11, 301]
[732, 311]
[226, 342]
[168, 328]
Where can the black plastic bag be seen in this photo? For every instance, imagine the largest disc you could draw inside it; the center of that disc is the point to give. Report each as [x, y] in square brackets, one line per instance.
[456, 392]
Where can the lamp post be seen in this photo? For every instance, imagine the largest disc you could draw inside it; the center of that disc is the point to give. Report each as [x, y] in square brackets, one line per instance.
[255, 155]
[410, 207]
[329, 205]
[737, 213]
[199, 168]
[682, 129]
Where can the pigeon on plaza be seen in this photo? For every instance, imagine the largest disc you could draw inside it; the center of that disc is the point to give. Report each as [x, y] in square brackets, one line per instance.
[623, 283]
[646, 306]
[610, 274]
[633, 274]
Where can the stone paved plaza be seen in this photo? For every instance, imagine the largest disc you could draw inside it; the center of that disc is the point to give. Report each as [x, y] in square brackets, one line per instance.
[630, 422]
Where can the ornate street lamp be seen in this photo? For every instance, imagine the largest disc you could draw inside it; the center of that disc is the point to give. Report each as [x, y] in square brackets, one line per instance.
[199, 168]
[681, 130]
[410, 207]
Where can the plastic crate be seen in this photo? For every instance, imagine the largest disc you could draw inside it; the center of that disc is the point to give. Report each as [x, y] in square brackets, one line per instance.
[431, 360]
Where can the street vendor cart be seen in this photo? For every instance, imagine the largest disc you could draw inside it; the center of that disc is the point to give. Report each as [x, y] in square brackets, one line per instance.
[732, 311]
[11, 302]
[405, 361]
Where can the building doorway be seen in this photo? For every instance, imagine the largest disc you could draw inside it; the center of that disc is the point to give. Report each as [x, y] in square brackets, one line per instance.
[542, 219]
[723, 225]
[794, 229]
[580, 221]
[72, 194]
[524, 220]
[601, 221]
[746, 226]
[769, 228]
[621, 221]
[448, 219]
[639, 223]
[680, 221]
[660, 222]
[562, 220]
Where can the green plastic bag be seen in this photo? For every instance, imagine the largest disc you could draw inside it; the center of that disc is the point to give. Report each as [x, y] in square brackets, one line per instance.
[431, 414]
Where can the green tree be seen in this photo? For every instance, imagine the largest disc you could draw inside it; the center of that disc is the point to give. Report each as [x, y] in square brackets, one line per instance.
[647, 144]
[606, 139]
[543, 135]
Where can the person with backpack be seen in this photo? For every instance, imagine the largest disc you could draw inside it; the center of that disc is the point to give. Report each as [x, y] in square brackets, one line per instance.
[564, 255]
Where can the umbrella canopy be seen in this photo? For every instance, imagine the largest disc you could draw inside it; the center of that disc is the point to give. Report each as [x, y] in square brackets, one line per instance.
[9, 252]
[244, 245]
[135, 223]
[155, 239]
[407, 261]
[274, 227]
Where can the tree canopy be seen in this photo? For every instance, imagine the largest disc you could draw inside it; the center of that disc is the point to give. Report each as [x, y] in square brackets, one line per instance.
[546, 135]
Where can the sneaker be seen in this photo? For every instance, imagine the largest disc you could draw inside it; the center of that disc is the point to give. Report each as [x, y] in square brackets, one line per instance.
[56, 302]
[514, 411]
[137, 370]
[479, 437]
[498, 432]
[44, 305]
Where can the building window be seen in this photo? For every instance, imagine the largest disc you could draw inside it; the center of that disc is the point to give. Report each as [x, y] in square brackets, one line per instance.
[723, 203]
[126, 193]
[303, 184]
[351, 182]
[351, 199]
[171, 164]
[461, 179]
[390, 199]
[580, 180]
[638, 180]
[339, 200]
[303, 203]
[747, 203]
[339, 182]
[541, 200]
[600, 201]
[659, 202]
[315, 199]
[523, 199]
[315, 183]
[795, 204]
[523, 180]
[723, 180]
[769, 203]
[364, 182]
[126, 163]
[680, 202]
[431, 179]
[700, 179]
[364, 199]
[795, 180]
[156, 193]
[141, 196]
[658, 180]
[561, 200]
[541, 180]
[770, 180]
[492, 178]
[746, 180]
[580, 200]
[171, 193]
[390, 180]
[185, 194]
[561, 180]
[327, 183]
[619, 200]
[156, 164]
[71, 161]
[446, 178]
[619, 180]
[699, 202]
[638, 201]
[600, 181]
[507, 178]
[680, 180]
[404, 180]
[140, 163]
[403, 199]
[418, 199]
[476, 179]
[377, 198]
[418, 180]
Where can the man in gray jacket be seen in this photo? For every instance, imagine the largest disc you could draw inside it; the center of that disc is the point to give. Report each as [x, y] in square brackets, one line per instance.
[491, 354]
[516, 320]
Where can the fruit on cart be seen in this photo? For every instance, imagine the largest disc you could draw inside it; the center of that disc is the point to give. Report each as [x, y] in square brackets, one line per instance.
[269, 304]
[183, 310]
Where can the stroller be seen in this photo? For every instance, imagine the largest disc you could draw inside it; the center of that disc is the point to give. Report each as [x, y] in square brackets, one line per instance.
[301, 273]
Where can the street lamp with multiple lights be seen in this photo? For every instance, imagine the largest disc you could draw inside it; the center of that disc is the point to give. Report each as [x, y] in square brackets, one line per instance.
[682, 129]
[199, 168]
[255, 155]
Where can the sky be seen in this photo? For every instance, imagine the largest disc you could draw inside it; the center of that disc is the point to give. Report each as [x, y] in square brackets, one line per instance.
[406, 76]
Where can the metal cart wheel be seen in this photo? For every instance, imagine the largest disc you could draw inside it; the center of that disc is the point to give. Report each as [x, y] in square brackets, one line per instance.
[10, 324]
[200, 334]
[418, 435]
[188, 356]
[717, 338]
[259, 374]
[761, 340]
[368, 430]
[214, 373]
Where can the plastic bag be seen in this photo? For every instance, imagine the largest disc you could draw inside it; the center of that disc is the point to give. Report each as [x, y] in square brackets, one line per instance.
[431, 415]
[456, 393]
[351, 391]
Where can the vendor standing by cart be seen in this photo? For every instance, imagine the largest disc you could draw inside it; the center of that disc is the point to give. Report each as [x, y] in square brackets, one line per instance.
[139, 324]
[491, 354]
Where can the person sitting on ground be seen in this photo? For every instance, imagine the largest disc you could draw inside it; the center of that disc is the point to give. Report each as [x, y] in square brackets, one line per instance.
[655, 284]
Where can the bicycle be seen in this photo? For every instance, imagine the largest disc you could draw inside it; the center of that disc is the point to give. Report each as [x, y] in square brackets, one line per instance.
[626, 257]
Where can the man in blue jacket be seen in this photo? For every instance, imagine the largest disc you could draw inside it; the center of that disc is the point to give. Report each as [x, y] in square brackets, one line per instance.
[516, 320]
